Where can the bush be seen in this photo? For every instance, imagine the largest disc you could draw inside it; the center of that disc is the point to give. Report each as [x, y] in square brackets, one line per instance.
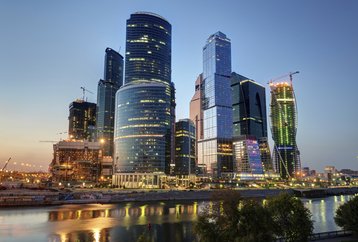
[347, 215]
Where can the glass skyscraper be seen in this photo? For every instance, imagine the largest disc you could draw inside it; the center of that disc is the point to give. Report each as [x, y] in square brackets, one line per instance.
[82, 120]
[106, 94]
[215, 149]
[145, 105]
[284, 128]
[249, 115]
[184, 147]
[148, 49]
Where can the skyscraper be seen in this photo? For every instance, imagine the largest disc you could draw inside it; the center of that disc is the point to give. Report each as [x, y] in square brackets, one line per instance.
[82, 120]
[249, 115]
[148, 49]
[106, 94]
[145, 105]
[215, 148]
[284, 128]
[184, 147]
[196, 111]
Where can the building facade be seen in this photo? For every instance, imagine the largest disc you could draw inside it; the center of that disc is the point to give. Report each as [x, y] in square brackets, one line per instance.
[148, 49]
[76, 161]
[145, 105]
[215, 148]
[196, 112]
[247, 158]
[249, 115]
[143, 131]
[184, 147]
[82, 120]
[284, 128]
[106, 94]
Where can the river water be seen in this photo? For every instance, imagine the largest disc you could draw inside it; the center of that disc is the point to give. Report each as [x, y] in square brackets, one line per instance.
[170, 221]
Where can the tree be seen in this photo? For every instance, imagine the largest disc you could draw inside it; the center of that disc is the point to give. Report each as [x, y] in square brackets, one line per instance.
[225, 220]
[347, 215]
[255, 222]
[218, 220]
[291, 220]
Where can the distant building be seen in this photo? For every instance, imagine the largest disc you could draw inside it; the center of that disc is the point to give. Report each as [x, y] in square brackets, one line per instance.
[106, 94]
[145, 105]
[215, 148]
[284, 128]
[196, 112]
[306, 171]
[82, 120]
[184, 147]
[76, 161]
[249, 115]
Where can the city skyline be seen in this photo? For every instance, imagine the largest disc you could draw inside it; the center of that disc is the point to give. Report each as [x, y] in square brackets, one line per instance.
[49, 81]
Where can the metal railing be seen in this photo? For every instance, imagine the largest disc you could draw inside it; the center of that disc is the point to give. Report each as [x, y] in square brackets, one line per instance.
[325, 235]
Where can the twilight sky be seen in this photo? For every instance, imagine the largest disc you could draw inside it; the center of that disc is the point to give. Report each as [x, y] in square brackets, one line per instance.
[49, 49]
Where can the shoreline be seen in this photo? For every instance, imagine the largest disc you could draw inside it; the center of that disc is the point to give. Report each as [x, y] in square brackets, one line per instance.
[33, 198]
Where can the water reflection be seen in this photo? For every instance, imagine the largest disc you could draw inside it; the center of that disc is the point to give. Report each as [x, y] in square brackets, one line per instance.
[170, 221]
[323, 212]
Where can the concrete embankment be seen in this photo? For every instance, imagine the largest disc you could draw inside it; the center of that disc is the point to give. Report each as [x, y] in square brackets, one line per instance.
[40, 198]
[190, 195]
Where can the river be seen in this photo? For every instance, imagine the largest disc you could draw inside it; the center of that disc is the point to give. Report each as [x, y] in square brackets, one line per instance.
[170, 221]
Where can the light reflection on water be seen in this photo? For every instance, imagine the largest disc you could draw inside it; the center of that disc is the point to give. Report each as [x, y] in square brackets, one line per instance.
[170, 221]
[323, 211]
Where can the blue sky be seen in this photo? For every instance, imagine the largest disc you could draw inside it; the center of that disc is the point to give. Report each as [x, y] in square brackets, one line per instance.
[49, 49]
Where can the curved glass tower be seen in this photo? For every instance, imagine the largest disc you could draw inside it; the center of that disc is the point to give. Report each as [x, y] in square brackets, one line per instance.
[284, 128]
[148, 49]
[142, 131]
[145, 105]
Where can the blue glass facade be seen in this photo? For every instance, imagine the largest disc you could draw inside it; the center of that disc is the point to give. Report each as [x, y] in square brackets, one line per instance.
[145, 105]
[143, 132]
[106, 94]
[215, 149]
[247, 157]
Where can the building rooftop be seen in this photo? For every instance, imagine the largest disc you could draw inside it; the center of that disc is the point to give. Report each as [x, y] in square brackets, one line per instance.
[151, 14]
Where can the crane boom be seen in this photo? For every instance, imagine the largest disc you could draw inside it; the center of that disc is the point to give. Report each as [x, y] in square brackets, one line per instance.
[84, 90]
[7, 162]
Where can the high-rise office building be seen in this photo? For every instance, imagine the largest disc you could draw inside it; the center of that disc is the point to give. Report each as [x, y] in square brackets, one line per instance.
[249, 115]
[196, 111]
[148, 49]
[106, 94]
[215, 148]
[184, 147]
[284, 128]
[145, 105]
[82, 120]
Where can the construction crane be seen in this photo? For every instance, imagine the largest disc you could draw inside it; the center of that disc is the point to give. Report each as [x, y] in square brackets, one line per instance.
[48, 141]
[84, 90]
[273, 95]
[7, 162]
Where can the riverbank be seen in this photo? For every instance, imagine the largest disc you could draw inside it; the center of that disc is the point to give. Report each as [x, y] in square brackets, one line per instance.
[23, 197]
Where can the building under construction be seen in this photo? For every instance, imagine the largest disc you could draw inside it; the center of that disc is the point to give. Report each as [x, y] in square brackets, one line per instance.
[76, 161]
[284, 128]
